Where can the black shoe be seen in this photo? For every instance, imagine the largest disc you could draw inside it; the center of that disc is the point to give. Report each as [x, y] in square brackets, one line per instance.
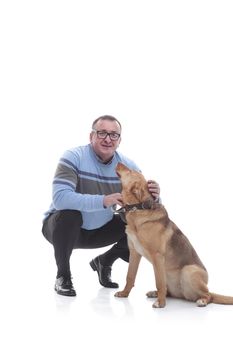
[64, 286]
[104, 273]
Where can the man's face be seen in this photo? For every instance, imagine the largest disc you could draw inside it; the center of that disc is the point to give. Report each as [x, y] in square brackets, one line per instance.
[105, 147]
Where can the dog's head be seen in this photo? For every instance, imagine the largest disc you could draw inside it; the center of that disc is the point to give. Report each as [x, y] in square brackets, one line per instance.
[134, 185]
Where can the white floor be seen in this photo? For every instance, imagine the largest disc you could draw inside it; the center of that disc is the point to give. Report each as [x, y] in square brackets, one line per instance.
[34, 317]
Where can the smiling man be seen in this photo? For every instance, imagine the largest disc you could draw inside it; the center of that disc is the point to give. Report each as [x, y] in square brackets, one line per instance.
[85, 187]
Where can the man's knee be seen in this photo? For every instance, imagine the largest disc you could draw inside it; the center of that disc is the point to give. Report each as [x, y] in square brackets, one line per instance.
[69, 218]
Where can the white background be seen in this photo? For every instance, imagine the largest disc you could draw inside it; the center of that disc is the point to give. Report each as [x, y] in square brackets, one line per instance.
[164, 68]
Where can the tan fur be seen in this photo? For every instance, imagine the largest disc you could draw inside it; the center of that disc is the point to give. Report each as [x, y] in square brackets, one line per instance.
[178, 270]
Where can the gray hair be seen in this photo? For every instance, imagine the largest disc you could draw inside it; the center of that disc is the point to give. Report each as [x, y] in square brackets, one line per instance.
[106, 117]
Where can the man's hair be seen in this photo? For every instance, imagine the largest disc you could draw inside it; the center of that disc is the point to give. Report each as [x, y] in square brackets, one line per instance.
[106, 117]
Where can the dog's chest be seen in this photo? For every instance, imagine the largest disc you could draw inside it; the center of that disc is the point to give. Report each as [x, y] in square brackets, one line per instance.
[135, 241]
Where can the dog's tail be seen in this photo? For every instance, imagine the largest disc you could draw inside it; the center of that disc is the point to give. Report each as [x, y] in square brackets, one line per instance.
[221, 299]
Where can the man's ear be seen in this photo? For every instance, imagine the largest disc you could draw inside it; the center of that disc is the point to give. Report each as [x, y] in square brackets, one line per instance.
[119, 141]
[91, 136]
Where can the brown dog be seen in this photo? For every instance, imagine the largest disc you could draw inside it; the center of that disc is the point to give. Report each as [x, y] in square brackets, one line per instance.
[178, 270]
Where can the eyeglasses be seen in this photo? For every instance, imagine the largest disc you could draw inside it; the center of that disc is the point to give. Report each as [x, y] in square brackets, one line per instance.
[101, 134]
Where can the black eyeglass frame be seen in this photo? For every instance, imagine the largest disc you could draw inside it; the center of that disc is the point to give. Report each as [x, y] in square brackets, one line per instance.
[106, 134]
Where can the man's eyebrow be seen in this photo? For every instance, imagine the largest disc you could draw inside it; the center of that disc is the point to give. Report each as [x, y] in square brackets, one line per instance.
[113, 131]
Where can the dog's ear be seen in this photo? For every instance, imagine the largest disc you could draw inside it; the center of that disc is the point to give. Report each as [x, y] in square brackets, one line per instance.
[137, 191]
[122, 169]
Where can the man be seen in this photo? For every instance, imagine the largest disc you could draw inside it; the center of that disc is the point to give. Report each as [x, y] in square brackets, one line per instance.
[85, 187]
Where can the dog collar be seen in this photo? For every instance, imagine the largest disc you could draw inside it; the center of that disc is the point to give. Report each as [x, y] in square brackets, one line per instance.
[148, 204]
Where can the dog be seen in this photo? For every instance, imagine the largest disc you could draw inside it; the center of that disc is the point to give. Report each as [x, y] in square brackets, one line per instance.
[178, 270]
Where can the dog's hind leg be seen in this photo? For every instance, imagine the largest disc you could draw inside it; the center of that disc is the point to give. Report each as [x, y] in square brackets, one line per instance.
[193, 282]
[152, 294]
[134, 260]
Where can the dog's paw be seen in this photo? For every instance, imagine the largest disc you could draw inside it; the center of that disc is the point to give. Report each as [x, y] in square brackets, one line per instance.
[158, 304]
[122, 294]
[152, 294]
[201, 302]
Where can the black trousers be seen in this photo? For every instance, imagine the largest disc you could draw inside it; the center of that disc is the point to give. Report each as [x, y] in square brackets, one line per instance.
[63, 230]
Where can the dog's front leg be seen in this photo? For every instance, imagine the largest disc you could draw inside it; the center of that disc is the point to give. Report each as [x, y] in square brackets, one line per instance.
[134, 260]
[158, 262]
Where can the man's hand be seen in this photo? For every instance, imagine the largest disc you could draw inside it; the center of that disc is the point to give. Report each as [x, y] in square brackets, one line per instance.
[111, 199]
[154, 189]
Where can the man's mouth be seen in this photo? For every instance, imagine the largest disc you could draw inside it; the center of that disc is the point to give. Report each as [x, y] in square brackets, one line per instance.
[106, 146]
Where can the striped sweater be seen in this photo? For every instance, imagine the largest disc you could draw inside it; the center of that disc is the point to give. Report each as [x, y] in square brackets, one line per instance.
[81, 181]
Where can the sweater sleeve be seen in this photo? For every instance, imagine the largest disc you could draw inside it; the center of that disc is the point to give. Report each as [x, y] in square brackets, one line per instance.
[64, 188]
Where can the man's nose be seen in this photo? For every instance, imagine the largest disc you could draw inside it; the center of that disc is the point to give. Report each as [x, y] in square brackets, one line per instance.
[107, 138]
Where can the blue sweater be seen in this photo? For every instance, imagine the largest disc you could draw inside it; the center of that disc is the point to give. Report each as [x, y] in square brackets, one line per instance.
[81, 181]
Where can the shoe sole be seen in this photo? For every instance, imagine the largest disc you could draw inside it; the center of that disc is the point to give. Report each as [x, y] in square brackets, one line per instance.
[66, 294]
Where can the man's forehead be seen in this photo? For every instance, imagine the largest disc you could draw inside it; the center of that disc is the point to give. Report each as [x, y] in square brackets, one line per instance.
[110, 125]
